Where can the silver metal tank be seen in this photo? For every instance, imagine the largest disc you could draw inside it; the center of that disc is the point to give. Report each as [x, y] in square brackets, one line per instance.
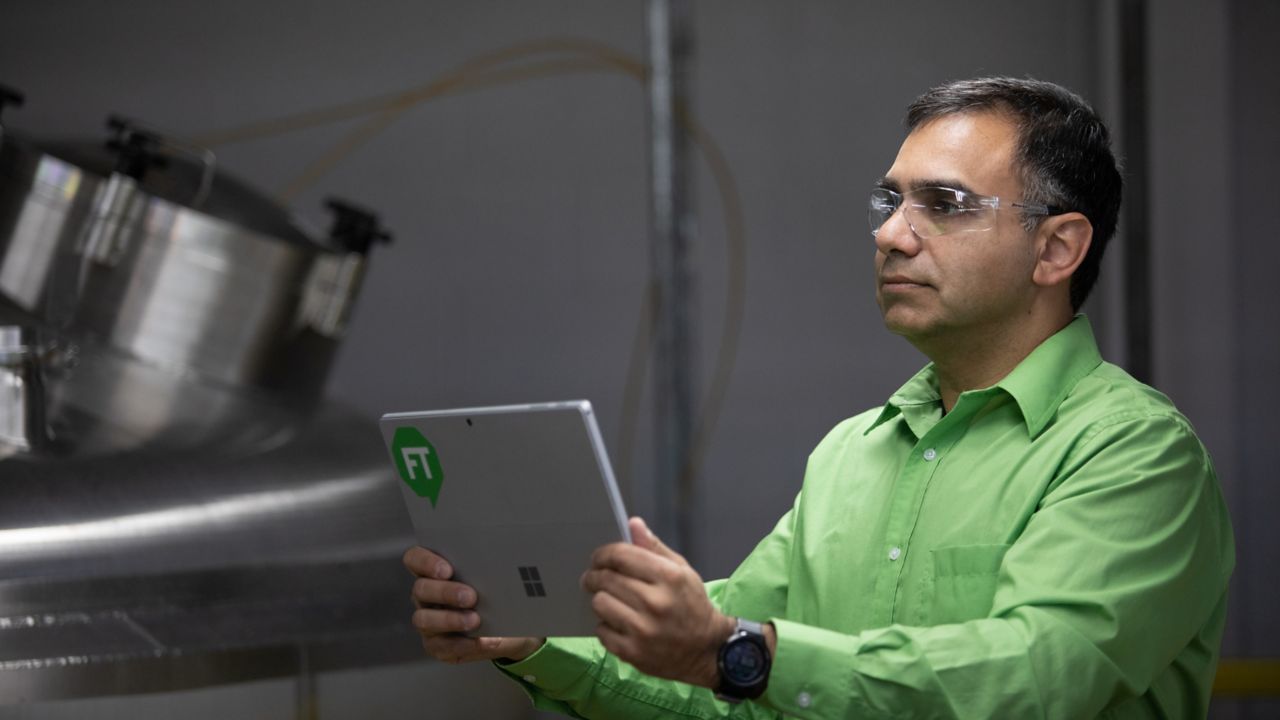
[178, 505]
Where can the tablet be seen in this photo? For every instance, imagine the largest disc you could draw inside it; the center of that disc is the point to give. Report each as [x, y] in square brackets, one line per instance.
[516, 498]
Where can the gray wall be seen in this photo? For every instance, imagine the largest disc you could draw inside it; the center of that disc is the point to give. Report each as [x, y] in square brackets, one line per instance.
[1252, 244]
[520, 212]
[1214, 110]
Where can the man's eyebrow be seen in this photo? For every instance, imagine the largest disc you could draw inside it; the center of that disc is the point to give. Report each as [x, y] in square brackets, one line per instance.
[952, 183]
[889, 183]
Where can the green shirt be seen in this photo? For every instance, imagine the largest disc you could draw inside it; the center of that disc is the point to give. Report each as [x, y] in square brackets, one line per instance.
[1056, 546]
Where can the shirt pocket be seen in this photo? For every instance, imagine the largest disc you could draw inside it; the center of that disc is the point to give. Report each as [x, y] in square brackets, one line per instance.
[964, 581]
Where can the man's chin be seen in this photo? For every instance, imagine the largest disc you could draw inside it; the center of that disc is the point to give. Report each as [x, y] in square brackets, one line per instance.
[899, 321]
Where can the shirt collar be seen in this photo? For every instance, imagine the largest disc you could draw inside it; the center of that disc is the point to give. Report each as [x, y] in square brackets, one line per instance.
[1044, 379]
[918, 398]
[1038, 384]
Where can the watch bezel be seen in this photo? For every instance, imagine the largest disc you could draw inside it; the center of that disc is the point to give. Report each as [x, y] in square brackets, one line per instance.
[736, 689]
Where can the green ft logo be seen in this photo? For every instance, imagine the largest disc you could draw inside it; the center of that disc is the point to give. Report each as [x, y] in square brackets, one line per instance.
[417, 463]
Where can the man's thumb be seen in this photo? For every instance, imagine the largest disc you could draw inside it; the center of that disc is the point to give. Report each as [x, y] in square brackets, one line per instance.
[643, 537]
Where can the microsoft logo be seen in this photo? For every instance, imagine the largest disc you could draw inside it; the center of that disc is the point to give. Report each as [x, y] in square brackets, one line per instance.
[532, 581]
[417, 463]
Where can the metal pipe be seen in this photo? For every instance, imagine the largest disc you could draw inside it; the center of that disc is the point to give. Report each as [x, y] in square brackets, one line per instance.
[670, 33]
[1137, 255]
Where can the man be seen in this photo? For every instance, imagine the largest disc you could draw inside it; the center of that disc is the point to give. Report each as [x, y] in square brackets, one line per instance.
[1022, 530]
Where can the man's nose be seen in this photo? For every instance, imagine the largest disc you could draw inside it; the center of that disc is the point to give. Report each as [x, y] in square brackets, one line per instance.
[896, 234]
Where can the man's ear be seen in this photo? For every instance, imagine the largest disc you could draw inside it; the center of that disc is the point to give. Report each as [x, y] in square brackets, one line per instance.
[1064, 241]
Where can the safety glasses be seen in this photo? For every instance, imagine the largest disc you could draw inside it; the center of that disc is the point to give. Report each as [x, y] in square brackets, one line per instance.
[935, 211]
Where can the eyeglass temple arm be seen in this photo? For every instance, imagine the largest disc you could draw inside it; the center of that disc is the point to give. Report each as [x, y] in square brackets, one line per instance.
[1040, 209]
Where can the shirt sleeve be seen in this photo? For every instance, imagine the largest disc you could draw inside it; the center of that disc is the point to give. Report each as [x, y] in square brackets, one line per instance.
[578, 678]
[1121, 570]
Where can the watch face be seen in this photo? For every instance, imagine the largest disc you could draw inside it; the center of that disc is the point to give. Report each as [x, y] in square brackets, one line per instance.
[744, 662]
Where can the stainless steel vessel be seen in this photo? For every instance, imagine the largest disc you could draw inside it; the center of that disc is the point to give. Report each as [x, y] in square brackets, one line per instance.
[178, 505]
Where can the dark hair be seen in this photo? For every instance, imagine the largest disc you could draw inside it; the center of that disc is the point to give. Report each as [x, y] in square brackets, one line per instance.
[1064, 153]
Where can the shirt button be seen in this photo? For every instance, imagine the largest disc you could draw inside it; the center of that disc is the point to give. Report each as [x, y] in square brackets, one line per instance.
[895, 553]
[531, 678]
[804, 700]
[930, 454]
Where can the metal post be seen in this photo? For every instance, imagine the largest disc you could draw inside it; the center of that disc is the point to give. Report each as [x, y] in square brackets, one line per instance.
[1137, 256]
[670, 30]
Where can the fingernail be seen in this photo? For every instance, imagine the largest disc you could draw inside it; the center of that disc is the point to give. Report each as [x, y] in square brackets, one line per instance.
[442, 570]
[471, 621]
[464, 598]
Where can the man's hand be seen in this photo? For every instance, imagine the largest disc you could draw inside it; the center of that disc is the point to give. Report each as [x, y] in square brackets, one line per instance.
[654, 611]
[444, 612]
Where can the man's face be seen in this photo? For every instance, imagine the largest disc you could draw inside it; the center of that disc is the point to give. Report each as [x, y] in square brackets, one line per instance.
[949, 285]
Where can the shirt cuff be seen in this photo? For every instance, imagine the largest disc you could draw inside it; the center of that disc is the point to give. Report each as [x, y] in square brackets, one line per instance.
[812, 671]
[555, 666]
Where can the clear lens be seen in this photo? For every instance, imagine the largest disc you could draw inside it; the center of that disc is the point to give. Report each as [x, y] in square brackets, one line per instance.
[880, 208]
[933, 211]
[937, 211]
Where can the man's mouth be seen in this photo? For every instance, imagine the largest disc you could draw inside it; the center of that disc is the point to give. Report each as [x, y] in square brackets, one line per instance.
[900, 282]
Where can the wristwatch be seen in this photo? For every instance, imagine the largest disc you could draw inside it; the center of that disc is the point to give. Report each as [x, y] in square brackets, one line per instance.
[744, 663]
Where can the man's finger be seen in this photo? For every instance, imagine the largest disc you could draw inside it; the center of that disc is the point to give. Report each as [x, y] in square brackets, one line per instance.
[618, 615]
[617, 643]
[432, 621]
[424, 563]
[440, 592]
[509, 648]
[635, 593]
[643, 537]
[633, 561]
[456, 648]
[460, 649]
